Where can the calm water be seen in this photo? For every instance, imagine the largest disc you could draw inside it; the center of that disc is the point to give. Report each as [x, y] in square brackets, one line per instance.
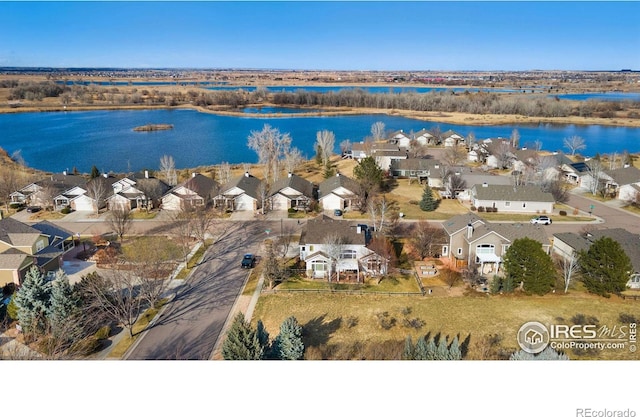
[58, 141]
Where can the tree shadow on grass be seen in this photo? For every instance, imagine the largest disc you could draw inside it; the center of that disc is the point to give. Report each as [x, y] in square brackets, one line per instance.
[317, 332]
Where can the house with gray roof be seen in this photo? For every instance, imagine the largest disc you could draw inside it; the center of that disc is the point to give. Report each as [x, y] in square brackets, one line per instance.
[292, 192]
[44, 192]
[568, 245]
[197, 191]
[512, 199]
[337, 249]
[22, 246]
[243, 193]
[422, 169]
[624, 182]
[477, 243]
[339, 192]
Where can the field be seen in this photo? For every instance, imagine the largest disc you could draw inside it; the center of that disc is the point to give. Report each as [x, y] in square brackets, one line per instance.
[337, 323]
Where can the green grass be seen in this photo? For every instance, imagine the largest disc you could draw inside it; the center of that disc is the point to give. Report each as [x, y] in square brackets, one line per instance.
[192, 262]
[395, 284]
[143, 215]
[524, 218]
[468, 317]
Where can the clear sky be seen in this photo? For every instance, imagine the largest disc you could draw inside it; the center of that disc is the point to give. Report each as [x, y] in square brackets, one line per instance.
[358, 35]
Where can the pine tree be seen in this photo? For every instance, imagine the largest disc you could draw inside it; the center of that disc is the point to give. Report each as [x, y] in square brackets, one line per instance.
[95, 172]
[428, 202]
[548, 354]
[422, 349]
[431, 350]
[242, 341]
[263, 339]
[605, 267]
[33, 300]
[408, 353]
[64, 305]
[288, 345]
[455, 354]
[442, 353]
[525, 261]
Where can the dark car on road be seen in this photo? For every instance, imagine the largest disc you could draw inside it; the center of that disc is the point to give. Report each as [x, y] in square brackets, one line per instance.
[248, 261]
[33, 209]
[337, 212]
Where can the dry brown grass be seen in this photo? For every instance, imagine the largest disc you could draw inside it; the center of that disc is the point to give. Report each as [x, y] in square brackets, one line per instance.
[467, 317]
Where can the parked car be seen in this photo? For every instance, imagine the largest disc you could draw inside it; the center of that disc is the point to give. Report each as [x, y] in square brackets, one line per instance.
[248, 261]
[337, 212]
[541, 220]
[33, 209]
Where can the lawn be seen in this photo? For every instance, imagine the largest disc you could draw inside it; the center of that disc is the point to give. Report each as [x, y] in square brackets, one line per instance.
[331, 316]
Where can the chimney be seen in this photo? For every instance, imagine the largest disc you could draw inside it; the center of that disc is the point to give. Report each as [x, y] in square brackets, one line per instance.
[146, 174]
[105, 175]
[289, 175]
[64, 172]
[337, 174]
[469, 231]
[246, 174]
[485, 185]
[358, 229]
[193, 174]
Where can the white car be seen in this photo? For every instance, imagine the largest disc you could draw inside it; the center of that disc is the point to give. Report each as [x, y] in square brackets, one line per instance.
[541, 220]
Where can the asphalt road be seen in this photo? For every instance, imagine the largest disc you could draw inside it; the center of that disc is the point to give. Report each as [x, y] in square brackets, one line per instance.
[192, 322]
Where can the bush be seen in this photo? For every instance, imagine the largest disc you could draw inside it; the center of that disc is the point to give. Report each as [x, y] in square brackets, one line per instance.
[16, 206]
[480, 209]
[563, 213]
[291, 210]
[385, 321]
[85, 346]
[627, 318]
[473, 208]
[66, 210]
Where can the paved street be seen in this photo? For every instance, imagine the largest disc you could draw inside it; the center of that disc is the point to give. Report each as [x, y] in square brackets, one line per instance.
[194, 319]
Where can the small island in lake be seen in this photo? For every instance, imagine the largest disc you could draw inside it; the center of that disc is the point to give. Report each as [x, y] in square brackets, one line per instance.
[152, 127]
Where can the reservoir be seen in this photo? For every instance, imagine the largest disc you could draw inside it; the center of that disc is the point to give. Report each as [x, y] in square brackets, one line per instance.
[57, 141]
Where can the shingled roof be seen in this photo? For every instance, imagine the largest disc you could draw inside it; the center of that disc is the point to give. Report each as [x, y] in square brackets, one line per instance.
[16, 233]
[511, 193]
[317, 231]
[295, 182]
[247, 182]
[327, 186]
[624, 176]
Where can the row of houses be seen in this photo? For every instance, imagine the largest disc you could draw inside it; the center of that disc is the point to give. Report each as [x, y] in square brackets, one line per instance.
[341, 250]
[140, 190]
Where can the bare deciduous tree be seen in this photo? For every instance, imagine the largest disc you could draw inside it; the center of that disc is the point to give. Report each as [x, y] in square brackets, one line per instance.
[568, 265]
[595, 170]
[333, 244]
[454, 155]
[325, 141]
[378, 131]
[515, 138]
[98, 189]
[120, 220]
[574, 144]
[269, 144]
[152, 190]
[345, 146]
[293, 159]
[425, 238]
[224, 172]
[168, 170]
[452, 182]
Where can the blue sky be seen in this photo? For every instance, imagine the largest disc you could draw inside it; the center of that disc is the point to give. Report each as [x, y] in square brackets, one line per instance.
[329, 35]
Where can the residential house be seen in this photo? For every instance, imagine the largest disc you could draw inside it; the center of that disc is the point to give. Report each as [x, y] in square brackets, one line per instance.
[197, 191]
[22, 246]
[339, 192]
[451, 138]
[243, 193]
[512, 199]
[421, 169]
[568, 245]
[477, 243]
[337, 250]
[292, 192]
[139, 190]
[423, 137]
[43, 192]
[474, 178]
[361, 150]
[401, 139]
[624, 182]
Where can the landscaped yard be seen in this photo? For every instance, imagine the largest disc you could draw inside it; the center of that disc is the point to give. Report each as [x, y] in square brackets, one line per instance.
[343, 320]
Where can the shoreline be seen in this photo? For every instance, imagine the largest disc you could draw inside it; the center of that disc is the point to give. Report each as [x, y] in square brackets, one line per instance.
[467, 119]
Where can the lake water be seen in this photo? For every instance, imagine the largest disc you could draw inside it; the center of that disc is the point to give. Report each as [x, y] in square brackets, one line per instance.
[56, 141]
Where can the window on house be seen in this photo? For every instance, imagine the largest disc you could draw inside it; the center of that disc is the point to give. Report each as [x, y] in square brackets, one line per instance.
[39, 245]
[507, 203]
[319, 266]
[445, 250]
[348, 254]
[486, 248]
[524, 205]
[459, 251]
[310, 248]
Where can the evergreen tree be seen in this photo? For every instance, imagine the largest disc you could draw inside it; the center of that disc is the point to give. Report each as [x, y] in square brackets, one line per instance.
[64, 306]
[496, 284]
[548, 354]
[507, 284]
[526, 262]
[408, 353]
[455, 353]
[288, 345]
[428, 202]
[431, 350]
[95, 172]
[242, 341]
[442, 353]
[422, 349]
[329, 170]
[33, 300]
[605, 267]
[263, 339]
[369, 175]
